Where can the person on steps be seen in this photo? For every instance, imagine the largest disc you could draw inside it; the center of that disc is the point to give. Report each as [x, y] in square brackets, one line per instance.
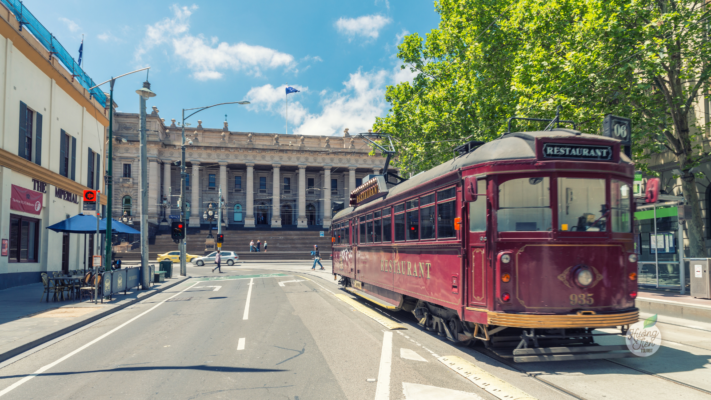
[265, 246]
[317, 257]
[251, 246]
[259, 246]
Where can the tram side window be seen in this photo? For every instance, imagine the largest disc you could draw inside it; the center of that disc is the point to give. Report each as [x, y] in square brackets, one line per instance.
[524, 205]
[399, 227]
[581, 205]
[378, 231]
[362, 240]
[346, 234]
[387, 229]
[413, 225]
[621, 216]
[477, 209]
[427, 228]
[369, 232]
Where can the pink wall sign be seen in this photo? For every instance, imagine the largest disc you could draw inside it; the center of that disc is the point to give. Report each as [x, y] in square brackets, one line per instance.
[26, 200]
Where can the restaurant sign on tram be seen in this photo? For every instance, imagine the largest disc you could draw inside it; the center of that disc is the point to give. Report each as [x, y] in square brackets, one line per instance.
[577, 152]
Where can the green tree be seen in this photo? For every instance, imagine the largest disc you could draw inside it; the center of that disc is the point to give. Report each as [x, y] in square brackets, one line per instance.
[489, 60]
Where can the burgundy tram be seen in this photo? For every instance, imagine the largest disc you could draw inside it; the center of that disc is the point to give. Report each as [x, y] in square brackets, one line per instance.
[525, 241]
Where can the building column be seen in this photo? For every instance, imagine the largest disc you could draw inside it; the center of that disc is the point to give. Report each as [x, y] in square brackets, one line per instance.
[302, 197]
[166, 182]
[327, 196]
[351, 181]
[223, 185]
[195, 198]
[249, 219]
[153, 185]
[276, 196]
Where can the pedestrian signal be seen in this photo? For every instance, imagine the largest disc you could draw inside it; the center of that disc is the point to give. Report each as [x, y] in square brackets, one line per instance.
[652, 190]
[178, 230]
[220, 238]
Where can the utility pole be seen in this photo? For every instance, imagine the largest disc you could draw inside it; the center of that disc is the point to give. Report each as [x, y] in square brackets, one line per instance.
[183, 267]
[219, 211]
[144, 94]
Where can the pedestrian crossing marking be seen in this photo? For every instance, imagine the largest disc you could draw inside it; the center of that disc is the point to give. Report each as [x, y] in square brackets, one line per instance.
[369, 312]
[234, 277]
[485, 380]
[408, 354]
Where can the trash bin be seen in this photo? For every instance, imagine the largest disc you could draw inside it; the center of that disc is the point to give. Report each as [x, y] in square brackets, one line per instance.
[167, 266]
[700, 278]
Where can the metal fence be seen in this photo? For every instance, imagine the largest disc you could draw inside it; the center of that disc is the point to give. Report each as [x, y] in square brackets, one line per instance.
[27, 20]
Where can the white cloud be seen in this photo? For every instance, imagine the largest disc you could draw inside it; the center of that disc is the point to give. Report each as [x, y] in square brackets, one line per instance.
[400, 36]
[71, 25]
[368, 26]
[107, 37]
[402, 75]
[355, 107]
[387, 3]
[272, 99]
[209, 58]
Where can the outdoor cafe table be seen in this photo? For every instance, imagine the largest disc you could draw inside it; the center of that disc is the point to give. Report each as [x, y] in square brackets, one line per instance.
[53, 279]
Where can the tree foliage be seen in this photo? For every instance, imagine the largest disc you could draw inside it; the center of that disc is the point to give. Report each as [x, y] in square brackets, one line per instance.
[490, 60]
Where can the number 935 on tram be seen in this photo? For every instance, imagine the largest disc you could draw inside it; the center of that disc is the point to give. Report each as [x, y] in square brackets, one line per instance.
[523, 243]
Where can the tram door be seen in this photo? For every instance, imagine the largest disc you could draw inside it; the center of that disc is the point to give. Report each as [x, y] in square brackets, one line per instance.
[476, 229]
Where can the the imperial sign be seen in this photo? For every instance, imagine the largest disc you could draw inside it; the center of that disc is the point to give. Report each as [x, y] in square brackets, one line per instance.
[577, 152]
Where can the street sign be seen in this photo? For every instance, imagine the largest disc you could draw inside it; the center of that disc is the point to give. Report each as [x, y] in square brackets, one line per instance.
[174, 216]
[89, 202]
[90, 196]
[96, 262]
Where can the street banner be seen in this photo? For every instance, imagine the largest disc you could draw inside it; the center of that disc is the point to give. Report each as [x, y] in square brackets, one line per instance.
[26, 200]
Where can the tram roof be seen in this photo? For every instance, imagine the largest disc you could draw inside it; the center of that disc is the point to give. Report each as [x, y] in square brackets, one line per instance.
[511, 146]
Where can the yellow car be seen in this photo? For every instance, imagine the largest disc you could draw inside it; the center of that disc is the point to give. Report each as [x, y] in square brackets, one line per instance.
[174, 256]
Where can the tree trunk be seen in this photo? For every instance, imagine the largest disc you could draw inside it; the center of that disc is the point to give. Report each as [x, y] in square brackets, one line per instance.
[697, 242]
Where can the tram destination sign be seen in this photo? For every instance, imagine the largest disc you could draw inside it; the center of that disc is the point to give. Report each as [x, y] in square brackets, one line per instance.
[371, 190]
[577, 152]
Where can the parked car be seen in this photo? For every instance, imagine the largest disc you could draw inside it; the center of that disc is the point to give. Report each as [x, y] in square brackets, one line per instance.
[174, 256]
[228, 257]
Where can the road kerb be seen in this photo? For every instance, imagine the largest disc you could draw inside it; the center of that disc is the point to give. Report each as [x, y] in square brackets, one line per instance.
[495, 386]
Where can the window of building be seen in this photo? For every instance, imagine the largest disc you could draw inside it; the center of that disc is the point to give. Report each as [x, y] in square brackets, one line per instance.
[262, 183]
[127, 171]
[187, 180]
[359, 181]
[334, 186]
[90, 169]
[67, 155]
[126, 205]
[30, 139]
[238, 182]
[211, 181]
[287, 184]
[24, 239]
[311, 183]
[446, 211]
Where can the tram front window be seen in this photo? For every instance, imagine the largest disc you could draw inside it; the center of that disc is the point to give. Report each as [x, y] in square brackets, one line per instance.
[621, 203]
[524, 205]
[581, 205]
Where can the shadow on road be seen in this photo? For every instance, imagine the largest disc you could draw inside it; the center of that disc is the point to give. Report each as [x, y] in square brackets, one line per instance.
[156, 368]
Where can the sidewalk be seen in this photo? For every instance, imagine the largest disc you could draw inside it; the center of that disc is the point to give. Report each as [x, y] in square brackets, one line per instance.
[673, 304]
[27, 322]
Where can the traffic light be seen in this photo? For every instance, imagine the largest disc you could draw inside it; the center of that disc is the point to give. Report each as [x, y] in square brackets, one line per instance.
[220, 238]
[178, 230]
[652, 190]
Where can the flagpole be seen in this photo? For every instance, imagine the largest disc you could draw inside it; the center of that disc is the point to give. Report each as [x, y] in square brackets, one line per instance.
[286, 114]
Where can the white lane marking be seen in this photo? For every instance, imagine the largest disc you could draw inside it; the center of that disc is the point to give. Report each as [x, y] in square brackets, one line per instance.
[240, 344]
[50, 365]
[281, 283]
[411, 355]
[214, 290]
[382, 391]
[414, 391]
[249, 296]
[492, 384]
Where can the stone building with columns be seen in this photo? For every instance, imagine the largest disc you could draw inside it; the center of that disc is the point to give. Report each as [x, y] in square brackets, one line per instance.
[267, 179]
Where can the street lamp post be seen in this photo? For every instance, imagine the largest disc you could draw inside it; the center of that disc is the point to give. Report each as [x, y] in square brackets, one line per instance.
[109, 167]
[209, 215]
[183, 268]
[144, 93]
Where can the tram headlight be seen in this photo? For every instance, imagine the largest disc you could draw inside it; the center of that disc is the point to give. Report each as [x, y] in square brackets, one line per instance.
[505, 258]
[584, 277]
[632, 258]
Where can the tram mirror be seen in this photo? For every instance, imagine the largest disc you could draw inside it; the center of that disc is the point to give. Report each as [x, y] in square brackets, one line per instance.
[535, 181]
[470, 193]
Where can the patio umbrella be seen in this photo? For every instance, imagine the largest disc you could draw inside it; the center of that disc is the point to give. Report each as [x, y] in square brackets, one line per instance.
[118, 227]
[87, 224]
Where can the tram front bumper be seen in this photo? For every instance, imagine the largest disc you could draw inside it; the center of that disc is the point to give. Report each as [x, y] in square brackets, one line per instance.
[542, 321]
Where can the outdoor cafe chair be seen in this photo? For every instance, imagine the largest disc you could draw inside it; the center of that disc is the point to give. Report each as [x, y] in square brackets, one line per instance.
[88, 287]
[48, 289]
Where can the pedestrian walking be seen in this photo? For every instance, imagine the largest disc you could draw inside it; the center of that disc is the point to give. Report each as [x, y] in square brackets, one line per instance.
[259, 246]
[265, 246]
[218, 258]
[251, 246]
[317, 257]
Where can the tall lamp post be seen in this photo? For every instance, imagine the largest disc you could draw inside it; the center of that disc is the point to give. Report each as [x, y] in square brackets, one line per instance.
[145, 93]
[209, 215]
[109, 167]
[183, 268]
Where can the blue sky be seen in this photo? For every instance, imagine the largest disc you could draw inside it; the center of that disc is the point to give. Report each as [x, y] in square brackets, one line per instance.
[340, 54]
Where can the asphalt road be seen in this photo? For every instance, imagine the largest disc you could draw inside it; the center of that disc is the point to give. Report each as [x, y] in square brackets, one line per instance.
[280, 331]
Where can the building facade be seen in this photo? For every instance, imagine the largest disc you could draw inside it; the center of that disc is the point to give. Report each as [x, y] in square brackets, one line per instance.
[274, 180]
[51, 148]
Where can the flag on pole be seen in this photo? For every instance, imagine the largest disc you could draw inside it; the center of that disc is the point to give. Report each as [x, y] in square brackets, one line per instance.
[81, 50]
[290, 89]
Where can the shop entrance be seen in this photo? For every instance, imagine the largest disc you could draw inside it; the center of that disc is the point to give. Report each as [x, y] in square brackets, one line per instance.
[65, 253]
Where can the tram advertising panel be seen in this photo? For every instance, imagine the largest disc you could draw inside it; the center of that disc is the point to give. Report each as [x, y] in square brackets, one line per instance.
[476, 228]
